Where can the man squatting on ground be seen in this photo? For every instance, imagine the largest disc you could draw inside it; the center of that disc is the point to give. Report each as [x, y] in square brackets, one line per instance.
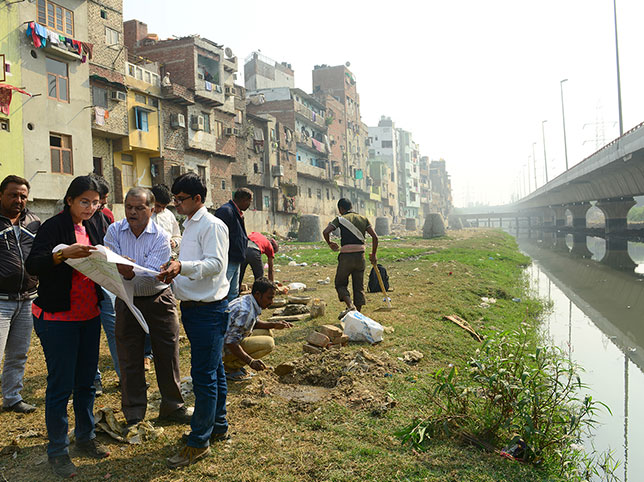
[200, 283]
[248, 339]
[141, 240]
[18, 227]
[351, 258]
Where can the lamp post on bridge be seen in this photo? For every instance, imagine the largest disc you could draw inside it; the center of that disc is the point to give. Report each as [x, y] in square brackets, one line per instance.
[545, 159]
[619, 83]
[563, 116]
[534, 165]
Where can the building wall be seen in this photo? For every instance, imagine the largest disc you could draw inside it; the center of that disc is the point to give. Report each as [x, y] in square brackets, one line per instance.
[312, 198]
[260, 72]
[72, 118]
[11, 142]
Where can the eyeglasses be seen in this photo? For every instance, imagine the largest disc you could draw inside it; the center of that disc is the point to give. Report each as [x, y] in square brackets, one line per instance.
[84, 203]
[179, 200]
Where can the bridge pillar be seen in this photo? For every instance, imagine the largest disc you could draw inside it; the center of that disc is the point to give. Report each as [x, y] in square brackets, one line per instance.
[579, 246]
[560, 215]
[578, 211]
[615, 211]
[548, 217]
[617, 254]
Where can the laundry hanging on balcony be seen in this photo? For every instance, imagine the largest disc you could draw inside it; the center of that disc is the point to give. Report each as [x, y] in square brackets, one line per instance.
[40, 35]
[6, 92]
[318, 145]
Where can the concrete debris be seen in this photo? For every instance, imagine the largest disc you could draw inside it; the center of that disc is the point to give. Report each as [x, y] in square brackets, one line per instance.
[311, 349]
[411, 357]
[283, 369]
[292, 309]
[331, 331]
[388, 329]
[299, 300]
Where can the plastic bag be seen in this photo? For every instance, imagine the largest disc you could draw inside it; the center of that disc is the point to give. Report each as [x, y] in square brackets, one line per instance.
[296, 286]
[359, 327]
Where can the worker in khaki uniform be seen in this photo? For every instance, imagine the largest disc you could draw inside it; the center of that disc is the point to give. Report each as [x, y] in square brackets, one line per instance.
[247, 338]
[351, 258]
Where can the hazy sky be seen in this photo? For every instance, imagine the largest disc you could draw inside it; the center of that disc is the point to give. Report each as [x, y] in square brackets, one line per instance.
[472, 80]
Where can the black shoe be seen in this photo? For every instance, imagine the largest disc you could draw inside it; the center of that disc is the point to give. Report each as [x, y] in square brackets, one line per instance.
[99, 387]
[180, 415]
[20, 407]
[62, 466]
[93, 449]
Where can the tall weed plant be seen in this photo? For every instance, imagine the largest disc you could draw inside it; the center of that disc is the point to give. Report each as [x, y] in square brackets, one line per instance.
[524, 402]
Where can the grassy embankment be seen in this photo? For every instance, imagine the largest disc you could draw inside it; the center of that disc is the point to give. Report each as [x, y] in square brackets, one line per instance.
[343, 429]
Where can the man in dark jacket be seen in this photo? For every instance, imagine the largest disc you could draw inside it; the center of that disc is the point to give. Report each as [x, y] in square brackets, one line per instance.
[18, 227]
[232, 214]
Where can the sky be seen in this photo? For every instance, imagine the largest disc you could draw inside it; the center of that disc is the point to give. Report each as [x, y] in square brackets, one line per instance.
[472, 80]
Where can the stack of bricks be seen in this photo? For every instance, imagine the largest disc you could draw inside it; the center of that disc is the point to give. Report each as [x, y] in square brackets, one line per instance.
[325, 337]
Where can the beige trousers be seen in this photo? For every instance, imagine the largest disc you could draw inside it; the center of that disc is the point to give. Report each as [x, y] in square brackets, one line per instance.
[259, 344]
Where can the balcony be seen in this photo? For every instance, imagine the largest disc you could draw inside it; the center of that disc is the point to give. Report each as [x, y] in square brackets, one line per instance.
[311, 144]
[309, 116]
[315, 172]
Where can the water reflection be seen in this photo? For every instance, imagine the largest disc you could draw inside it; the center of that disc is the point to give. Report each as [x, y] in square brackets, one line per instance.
[597, 319]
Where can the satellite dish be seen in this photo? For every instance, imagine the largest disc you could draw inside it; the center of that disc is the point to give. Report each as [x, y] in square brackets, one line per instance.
[348, 64]
[228, 51]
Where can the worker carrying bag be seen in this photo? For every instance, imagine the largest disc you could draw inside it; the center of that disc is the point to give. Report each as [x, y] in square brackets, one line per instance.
[374, 286]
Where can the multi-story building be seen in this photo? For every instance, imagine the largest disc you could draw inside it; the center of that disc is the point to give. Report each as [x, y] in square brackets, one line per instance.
[383, 165]
[261, 72]
[198, 85]
[305, 117]
[425, 186]
[107, 68]
[339, 83]
[55, 121]
[408, 175]
[441, 201]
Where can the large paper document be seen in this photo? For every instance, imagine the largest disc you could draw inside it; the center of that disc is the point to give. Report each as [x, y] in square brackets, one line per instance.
[100, 267]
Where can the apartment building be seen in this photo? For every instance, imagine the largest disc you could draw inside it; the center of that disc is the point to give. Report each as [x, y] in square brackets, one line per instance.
[441, 185]
[408, 175]
[47, 44]
[383, 165]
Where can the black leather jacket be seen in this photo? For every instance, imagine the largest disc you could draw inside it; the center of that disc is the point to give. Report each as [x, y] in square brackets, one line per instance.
[14, 279]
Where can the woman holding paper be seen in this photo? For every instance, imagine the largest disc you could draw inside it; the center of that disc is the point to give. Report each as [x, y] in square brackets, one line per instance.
[66, 319]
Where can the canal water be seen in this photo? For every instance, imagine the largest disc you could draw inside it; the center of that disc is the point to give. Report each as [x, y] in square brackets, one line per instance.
[598, 319]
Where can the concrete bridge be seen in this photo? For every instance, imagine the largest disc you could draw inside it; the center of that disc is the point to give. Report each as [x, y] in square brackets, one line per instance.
[610, 178]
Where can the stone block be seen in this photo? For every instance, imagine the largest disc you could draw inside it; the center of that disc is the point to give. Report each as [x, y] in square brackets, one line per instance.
[284, 369]
[318, 339]
[311, 349]
[332, 332]
[309, 230]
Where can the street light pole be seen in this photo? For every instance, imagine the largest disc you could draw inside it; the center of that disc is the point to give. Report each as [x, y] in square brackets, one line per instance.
[545, 159]
[619, 83]
[534, 165]
[563, 116]
[529, 182]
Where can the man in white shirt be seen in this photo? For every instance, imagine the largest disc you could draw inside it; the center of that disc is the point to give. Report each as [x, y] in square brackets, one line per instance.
[200, 283]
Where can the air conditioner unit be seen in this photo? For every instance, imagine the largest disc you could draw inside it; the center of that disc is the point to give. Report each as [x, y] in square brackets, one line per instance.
[229, 131]
[277, 171]
[177, 120]
[118, 96]
[197, 122]
[229, 90]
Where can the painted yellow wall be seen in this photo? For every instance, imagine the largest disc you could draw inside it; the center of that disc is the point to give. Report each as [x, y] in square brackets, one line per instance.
[11, 143]
[142, 175]
[139, 139]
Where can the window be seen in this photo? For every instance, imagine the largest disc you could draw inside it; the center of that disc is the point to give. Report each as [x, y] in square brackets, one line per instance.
[140, 98]
[219, 129]
[239, 116]
[128, 171]
[202, 172]
[103, 14]
[223, 185]
[386, 144]
[98, 166]
[267, 202]
[154, 102]
[327, 195]
[111, 36]
[147, 77]
[319, 192]
[99, 95]
[56, 17]
[141, 119]
[60, 148]
[309, 192]
[58, 80]
[206, 122]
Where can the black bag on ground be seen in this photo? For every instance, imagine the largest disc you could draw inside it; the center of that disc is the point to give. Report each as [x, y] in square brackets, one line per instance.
[374, 286]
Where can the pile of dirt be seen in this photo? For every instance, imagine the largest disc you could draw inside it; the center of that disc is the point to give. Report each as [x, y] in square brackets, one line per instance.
[333, 368]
